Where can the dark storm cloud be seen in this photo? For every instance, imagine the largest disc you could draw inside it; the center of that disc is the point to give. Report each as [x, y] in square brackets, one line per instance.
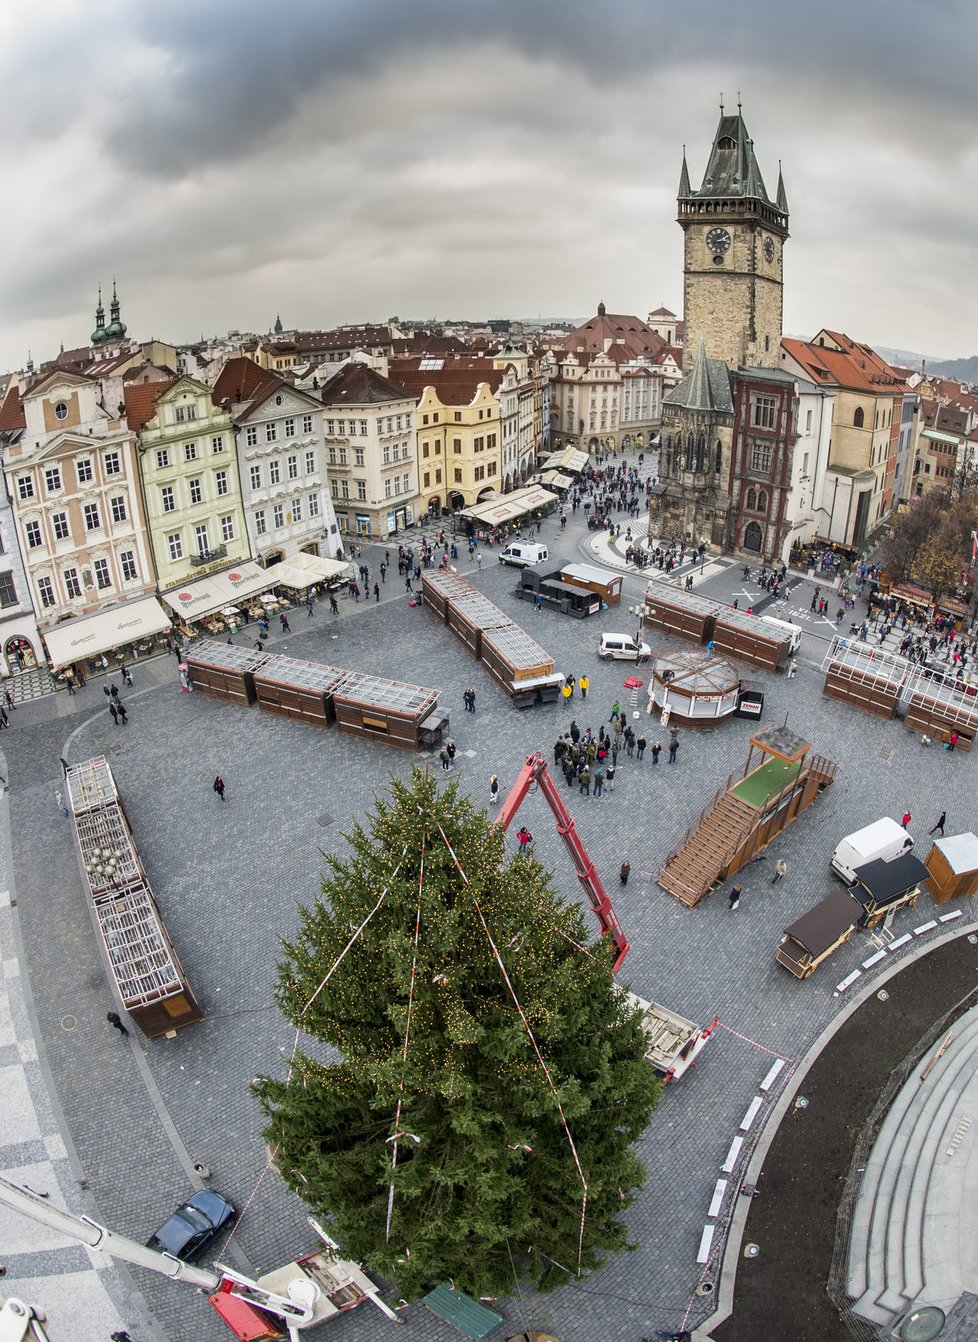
[228, 74]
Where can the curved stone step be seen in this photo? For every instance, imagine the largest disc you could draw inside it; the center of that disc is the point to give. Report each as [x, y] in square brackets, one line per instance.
[875, 1213]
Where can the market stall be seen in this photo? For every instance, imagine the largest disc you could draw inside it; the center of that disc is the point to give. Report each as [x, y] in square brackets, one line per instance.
[385, 711]
[818, 933]
[439, 586]
[679, 613]
[747, 638]
[941, 706]
[198, 606]
[224, 670]
[857, 675]
[882, 887]
[520, 666]
[301, 571]
[471, 615]
[697, 690]
[296, 689]
[952, 867]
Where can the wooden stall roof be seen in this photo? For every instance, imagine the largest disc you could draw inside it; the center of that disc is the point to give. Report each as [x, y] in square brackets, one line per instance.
[858, 659]
[90, 784]
[303, 675]
[697, 673]
[960, 852]
[478, 610]
[753, 625]
[518, 648]
[590, 573]
[822, 926]
[447, 581]
[881, 883]
[224, 656]
[108, 855]
[945, 699]
[677, 597]
[142, 959]
[389, 695]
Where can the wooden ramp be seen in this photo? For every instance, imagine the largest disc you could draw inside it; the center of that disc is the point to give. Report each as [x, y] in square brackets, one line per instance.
[700, 864]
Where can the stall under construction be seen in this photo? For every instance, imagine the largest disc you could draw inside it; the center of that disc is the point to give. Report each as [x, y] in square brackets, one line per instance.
[143, 966]
[780, 779]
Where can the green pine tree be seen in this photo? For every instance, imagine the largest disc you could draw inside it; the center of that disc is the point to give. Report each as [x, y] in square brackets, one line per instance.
[470, 1201]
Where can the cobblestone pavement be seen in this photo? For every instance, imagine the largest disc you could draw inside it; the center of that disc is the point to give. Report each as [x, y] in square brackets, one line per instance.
[227, 878]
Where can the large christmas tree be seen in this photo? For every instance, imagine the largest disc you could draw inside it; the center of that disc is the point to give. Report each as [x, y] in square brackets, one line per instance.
[491, 1082]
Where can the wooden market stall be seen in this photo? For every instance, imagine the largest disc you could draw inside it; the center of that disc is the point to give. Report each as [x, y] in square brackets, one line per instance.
[439, 585]
[818, 933]
[520, 666]
[297, 689]
[142, 964]
[224, 670]
[385, 711]
[696, 688]
[678, 613]
[750, 639]
[952, 867]
[940, 706]
[860, 676]
[470, 615]
[606, 585]
[882, 887]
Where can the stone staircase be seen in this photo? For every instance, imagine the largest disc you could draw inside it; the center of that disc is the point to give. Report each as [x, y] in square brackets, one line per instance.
[698, 866]
[913, 1227]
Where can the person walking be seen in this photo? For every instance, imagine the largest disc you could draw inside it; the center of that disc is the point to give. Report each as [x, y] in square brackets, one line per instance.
[383, 573]
[283, 620]
[116, 1022]
[494, 790]
[734, 896]
[114, 692]
[126, 677]
[333, 607]
[219, 786]
[584, 685]
[115, 712]
[940, 824]
[565, 694]
[121, 710]
[538, 602]
[259, 645]
[905, 822]
[673, 749]
[598, 781]
[624, 871]
[309, 607]
[478, 559]
[792, 668]
[524, 838]
[445, 761]
[656, 752]
[8, 698]
[376, 591]
[615, 711]
[780, 869]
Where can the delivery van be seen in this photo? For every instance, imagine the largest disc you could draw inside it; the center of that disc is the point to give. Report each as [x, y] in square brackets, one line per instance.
[879, 842]
[622, 647]
[523, 553]
[791, 631]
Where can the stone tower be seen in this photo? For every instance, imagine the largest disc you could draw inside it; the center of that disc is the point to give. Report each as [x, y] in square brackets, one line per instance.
[733, 241]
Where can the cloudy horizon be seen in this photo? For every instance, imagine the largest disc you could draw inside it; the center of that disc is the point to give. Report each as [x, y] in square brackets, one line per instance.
[340, 163]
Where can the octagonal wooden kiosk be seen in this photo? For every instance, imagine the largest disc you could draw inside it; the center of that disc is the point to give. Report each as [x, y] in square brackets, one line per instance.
[697, 688]
[780, 779]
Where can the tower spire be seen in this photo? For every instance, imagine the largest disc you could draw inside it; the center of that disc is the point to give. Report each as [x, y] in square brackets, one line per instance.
[684, 178]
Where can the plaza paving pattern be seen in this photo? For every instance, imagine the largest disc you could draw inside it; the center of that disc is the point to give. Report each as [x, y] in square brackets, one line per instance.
[228, 877]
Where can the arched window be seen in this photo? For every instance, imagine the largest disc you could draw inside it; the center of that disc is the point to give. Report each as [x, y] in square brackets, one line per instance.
[751, 504]
[689, 452]
[762, 500]
[700, 451]
[858, 417]
[719, 457]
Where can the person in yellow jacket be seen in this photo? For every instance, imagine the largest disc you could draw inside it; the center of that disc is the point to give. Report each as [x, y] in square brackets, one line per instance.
[565, 693]
[584, 684]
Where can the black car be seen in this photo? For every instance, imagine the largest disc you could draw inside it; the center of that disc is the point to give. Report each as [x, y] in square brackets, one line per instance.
[187, 1233]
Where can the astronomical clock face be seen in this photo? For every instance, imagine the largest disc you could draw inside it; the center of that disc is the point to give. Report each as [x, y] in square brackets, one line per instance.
[769, 249]
[718, 241]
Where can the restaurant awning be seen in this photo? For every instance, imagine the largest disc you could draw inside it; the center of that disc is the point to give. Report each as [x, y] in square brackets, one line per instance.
[302, 570]
[92, 634]
[196, 599]
[510, 506]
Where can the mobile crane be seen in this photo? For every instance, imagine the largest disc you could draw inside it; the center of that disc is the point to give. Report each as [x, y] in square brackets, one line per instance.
[674, 1043]
[297, 1296]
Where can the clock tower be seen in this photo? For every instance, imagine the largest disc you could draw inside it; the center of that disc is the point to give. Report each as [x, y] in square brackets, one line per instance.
[733, 240]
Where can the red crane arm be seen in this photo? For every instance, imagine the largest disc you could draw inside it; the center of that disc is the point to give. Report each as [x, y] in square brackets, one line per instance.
[535, 771]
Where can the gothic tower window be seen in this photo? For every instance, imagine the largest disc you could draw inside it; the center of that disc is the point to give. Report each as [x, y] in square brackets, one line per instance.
[689, 452]
[700, 451]
[751, 504]
[762, 500]
[719, 456]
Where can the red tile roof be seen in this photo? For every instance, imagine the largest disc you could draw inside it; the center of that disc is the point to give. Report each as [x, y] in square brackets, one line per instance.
[141, 401]
[240, 379]
[12, 412]
[855, 367]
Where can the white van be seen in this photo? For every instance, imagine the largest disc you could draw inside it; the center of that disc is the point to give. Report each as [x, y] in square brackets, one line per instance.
[882, 840]
[521, 554]
[791, 631]
[622, 647]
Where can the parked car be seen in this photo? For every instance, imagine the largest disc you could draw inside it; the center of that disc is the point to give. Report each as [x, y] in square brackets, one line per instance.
[523, 553]
[187, 1233]
[620, 647]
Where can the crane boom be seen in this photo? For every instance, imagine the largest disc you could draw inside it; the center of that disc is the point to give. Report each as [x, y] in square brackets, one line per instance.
[535, 772]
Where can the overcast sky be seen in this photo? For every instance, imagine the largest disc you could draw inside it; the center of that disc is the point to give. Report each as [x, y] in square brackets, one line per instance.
[343, 161]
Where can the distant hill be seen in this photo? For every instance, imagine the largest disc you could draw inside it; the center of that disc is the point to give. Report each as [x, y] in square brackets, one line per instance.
[959, 370]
